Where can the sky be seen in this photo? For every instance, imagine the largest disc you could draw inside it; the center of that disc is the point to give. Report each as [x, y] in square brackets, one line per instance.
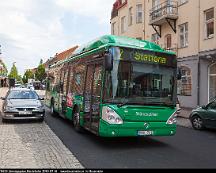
[31, 30]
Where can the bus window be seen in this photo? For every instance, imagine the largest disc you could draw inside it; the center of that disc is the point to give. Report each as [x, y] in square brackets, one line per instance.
[78, 83]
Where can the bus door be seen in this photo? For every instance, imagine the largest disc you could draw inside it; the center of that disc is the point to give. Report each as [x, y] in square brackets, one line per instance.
[62, 94]
[92, 96]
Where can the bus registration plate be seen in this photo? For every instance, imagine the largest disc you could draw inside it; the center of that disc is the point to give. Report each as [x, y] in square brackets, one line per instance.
[145, 133]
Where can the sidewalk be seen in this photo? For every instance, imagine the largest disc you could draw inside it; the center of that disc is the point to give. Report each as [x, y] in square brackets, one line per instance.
[32, 145]
[183, 118]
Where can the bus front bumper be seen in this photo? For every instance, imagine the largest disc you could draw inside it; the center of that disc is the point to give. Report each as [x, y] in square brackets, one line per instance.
[133, 129]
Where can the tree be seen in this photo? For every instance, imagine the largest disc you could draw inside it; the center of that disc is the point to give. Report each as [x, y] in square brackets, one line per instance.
[28, 75]
[19, 79]
[40, 73]
[4, 70]
[13, 73]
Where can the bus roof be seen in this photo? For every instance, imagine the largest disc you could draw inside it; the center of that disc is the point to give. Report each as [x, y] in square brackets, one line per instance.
[113, 40]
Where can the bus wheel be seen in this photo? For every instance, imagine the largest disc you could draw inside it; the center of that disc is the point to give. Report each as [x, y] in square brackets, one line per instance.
[53, 113]
[76, 121]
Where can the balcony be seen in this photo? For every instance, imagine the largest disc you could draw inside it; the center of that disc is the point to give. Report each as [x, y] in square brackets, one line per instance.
[160, 13]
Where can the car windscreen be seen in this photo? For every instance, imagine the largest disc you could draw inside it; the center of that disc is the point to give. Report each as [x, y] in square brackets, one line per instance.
[20, 94]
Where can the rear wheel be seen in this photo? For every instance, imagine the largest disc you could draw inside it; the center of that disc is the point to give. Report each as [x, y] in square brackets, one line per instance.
[53, 113]
[197, 123]
[76, 121]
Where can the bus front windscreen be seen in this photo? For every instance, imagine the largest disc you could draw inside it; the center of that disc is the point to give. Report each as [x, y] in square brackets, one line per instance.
[132, 82]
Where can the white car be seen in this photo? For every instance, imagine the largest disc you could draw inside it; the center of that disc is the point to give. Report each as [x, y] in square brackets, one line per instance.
[31, 87]
[17, 85]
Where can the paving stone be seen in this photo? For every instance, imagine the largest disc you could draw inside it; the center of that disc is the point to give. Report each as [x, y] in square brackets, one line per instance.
[32, 145]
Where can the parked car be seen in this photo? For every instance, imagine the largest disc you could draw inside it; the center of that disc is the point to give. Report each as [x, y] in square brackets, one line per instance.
[30, 86]
[204, 116]
[22, 103]
[18, 85]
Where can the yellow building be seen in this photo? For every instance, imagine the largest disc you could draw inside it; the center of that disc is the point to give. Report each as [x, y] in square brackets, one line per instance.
[187, 27]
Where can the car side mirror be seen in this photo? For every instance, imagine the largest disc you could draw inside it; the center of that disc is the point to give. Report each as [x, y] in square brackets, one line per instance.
[41, 98]
[108, 62]
[2, 98]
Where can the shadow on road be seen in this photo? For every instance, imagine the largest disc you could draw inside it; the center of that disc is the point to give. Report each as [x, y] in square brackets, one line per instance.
[108, 143]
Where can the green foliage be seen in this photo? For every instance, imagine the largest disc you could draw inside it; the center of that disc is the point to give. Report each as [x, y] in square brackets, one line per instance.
[40, 73]
[4, 71]
[19, 79]
[13, 73]
[28, 75]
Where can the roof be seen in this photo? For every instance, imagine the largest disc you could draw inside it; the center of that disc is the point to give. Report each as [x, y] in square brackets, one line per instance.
[106, 41]
[121, 41]
[65, 54]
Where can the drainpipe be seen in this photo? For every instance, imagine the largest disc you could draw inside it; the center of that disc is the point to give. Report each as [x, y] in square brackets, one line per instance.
[144, 20]
[198, 87]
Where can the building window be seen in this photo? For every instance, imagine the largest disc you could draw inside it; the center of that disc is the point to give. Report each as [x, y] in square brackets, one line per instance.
[155, 38]
[156, 8]
[209, 23]
[155, 3]
[123, 24]
[113, 28]
[183, 35]
[139, 13]
[212, 82]
[185, 84]
[130, 16]
[168, 41]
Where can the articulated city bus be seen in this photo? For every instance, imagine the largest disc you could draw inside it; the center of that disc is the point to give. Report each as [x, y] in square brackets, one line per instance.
[116, 86]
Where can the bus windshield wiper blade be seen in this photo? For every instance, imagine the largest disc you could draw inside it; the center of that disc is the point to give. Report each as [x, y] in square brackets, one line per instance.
[122, 104]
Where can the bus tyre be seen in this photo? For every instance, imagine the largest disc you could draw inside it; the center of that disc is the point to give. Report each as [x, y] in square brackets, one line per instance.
[53, 113]
[76, 121]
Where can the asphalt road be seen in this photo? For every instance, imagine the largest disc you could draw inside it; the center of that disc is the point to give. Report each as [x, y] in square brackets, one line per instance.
[187, 149]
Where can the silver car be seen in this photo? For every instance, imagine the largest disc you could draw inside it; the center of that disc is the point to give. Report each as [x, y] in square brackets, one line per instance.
[22, 103]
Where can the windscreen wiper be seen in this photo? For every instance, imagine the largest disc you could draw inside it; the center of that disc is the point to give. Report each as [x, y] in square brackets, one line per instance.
[122, 104]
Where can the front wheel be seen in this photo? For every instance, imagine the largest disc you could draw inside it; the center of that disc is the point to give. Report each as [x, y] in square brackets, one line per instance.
[197, 123]
[76, 121]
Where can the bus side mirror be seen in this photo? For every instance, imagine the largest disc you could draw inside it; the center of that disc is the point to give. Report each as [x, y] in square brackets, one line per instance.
[179, 73]
[108, 62]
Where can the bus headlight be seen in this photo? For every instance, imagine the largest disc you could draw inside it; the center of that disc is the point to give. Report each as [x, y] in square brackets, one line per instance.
[172, 119]
[111, 116]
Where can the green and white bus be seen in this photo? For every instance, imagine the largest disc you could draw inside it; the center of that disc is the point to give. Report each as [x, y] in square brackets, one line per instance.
[117, 86]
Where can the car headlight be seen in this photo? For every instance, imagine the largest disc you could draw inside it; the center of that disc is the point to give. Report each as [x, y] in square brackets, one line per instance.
[111, 116]
[10, 109]
[39, 108]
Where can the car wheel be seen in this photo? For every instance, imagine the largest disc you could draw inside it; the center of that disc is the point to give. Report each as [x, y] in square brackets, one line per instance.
[4, 120]
[76, 121]
[197, 123]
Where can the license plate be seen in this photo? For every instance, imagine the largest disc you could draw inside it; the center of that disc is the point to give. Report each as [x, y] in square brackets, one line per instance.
[25, 112]
[145, 133]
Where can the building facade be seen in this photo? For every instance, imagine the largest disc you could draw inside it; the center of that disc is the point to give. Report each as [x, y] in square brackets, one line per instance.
[186, 27]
